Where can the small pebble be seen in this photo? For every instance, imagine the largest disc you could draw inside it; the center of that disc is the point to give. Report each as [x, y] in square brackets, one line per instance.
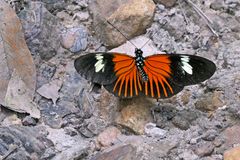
[29, 121]
[152, 131]
[75, 39]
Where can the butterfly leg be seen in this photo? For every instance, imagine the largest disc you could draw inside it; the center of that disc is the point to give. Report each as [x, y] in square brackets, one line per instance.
[95, 87]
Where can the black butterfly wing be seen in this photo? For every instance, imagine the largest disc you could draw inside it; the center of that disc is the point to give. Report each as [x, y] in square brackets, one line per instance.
[169, 73]
[96, 67]
[190, 69]
[116, 72]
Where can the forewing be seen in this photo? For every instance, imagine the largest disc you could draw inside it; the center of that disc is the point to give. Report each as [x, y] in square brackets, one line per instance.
[190, 69]
[96, 67]
[169, 73]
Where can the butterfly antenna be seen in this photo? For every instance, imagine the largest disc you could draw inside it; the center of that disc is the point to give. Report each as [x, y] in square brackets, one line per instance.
[119, 32]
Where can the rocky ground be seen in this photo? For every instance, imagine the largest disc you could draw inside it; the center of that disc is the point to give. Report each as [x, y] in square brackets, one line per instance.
[201, 122]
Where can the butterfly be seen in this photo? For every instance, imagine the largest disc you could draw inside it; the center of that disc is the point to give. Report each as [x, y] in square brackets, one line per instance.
[157, 75]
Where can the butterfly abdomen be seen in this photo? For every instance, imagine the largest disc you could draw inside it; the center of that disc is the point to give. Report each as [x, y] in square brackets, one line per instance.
[139, 60]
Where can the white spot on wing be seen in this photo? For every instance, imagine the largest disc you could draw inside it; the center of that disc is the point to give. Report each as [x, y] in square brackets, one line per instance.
[185, 65]
[99, 65]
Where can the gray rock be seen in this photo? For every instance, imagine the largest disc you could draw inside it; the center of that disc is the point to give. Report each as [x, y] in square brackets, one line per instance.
[164, 114]
[131, 17]
[181, 122]
[29, 121]
[86, 132]
[167, 3]
[152, 131]
[48, 154]
[188, 155]
[204, 149]
[217, 5]
[160, 149]
[28, 140]
[210, 135]
[164, 41]
[40, 30]
[124, 152]
[75, 39]
[68, 147]
[53, 115]
[184, 118]
[82, 16]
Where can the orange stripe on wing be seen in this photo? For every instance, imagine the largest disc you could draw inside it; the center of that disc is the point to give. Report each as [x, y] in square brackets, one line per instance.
[169, 86]
[162, 84]
[124, 67]
[131, 83]
[146, 88]
[159, 68]
[120, 87]
[126, 85]
[121, 57]
[157, 86]
[126, 72]
[159, 58]
[160, 78]
[122, 64]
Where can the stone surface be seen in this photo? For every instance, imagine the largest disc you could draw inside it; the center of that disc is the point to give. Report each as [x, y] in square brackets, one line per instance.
[40, 28]
[28, 140]
[152, 131]
[68, 147]
[135, 114]
[184, 118]
[143, 42]
[124, 152]
[232, 154]
[167, 3]
[81, 114]
[204, 149]
[231, 135]
[210, 135]
[108, 136]
[131, 17]
[53, 115]
[75, 39]
[29, 121]
[211, 102]
[82, 16]
[181, 123]
[159, 149]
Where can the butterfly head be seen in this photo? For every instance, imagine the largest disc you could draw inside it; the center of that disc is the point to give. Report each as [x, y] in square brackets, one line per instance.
[138, 52]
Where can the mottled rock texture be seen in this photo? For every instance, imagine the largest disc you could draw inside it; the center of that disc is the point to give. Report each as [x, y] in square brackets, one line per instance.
[87, 122]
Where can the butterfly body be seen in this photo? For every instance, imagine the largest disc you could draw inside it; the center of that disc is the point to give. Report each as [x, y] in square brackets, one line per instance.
[158, 75]
[139, 61]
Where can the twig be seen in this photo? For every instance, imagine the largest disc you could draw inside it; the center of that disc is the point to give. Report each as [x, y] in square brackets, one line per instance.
[111, 24]
[183, 11]
[89, 101]
[200, 12]
[12, 149]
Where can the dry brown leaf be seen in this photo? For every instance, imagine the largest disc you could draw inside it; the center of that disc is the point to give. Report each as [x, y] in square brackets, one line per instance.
[18, 99]
[15, 57]
[50, 90]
